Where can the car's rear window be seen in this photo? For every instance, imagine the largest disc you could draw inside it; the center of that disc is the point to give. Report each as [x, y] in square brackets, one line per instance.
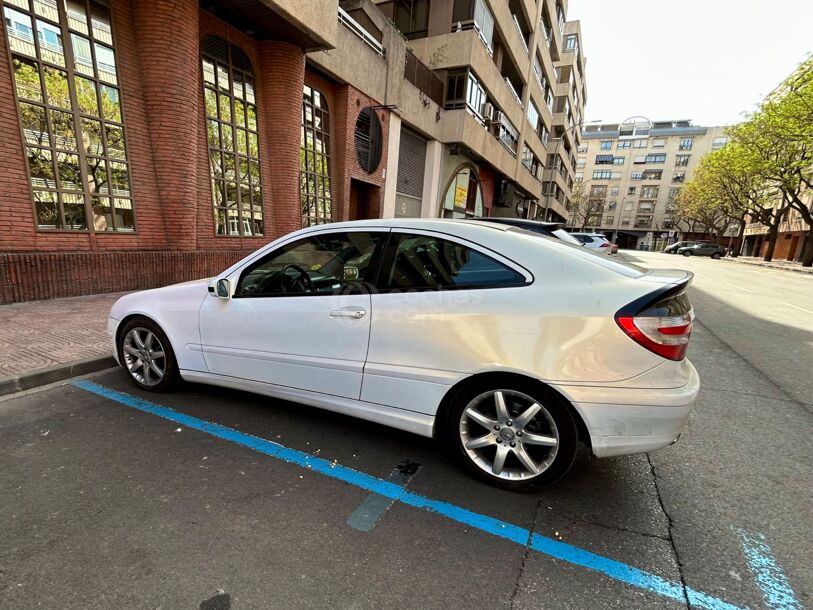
[614, 264]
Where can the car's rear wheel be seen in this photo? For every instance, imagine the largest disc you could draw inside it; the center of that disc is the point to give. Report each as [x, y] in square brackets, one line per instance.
[716, 255]
[687, 253]
[515, 435]
[147, 355]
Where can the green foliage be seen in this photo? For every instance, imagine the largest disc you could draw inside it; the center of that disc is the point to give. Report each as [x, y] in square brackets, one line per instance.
[767, 165]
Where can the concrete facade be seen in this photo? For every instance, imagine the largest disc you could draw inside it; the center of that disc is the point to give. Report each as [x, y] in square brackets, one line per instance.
[633, 170]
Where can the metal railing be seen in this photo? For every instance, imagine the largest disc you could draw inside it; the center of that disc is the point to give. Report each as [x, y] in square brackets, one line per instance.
[471, 24]
[513, 91]
[355, 27]
[420, 75]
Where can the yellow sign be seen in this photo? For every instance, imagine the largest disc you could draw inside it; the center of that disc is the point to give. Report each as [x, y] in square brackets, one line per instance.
[460, 195]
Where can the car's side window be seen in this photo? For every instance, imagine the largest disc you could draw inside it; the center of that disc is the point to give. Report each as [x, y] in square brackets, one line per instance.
[424, 262]
[319, 264]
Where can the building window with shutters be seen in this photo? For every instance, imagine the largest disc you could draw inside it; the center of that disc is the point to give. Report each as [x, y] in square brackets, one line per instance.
[314, 159]
[411, 170]
[367, 137]
[231, 130]
[67, 88]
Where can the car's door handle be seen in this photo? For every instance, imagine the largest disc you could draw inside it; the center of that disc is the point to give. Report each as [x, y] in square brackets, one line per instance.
[353, 312]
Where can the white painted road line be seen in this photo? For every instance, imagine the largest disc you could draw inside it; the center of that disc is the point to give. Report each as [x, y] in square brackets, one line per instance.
[797, 307]
[739, 287]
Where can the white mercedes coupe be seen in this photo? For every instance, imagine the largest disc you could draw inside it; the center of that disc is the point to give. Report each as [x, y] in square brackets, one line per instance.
[506, 346]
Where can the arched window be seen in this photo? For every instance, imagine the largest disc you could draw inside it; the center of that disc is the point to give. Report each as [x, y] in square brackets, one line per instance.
[464, 196]
[314, 159]
[67, 86]
[231, 129]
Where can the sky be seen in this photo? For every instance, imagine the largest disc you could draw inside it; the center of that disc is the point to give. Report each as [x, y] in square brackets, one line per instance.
[705, 60]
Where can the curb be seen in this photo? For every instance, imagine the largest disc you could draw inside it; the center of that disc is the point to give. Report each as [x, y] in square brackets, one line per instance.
[768, 266]
[51, 374]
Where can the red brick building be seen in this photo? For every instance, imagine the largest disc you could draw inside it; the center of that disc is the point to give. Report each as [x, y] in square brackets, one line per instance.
[152, 142]
[146, 142]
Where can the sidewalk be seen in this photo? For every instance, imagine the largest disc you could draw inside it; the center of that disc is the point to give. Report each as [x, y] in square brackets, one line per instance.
[46, 341]
[775, 264]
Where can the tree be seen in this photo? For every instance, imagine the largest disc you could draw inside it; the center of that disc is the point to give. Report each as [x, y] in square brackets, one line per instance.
[725, 189]
[778, 141]
[584, 206]
[699, 203]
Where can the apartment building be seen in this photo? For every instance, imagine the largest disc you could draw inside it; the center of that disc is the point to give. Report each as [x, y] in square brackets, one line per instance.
[514, 98]
[146, 144]
[631, 171]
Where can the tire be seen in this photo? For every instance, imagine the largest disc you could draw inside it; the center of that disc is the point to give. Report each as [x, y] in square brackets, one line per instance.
[553, 421]
[715, 256]
[139, 338]
[687, 253]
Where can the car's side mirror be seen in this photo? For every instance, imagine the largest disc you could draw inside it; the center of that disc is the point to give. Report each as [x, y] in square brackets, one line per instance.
[222, 289]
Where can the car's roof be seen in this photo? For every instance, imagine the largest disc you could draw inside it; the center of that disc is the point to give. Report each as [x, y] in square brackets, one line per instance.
[519, 222]
[429, 224]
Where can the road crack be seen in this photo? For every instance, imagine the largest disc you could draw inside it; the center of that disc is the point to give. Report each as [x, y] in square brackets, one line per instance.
[525, 554]
[805, 406]
[670, 525]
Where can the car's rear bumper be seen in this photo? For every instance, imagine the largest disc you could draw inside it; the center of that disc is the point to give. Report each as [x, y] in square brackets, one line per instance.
[622, 421]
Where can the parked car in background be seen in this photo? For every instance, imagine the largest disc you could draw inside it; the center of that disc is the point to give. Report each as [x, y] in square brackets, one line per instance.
[504, 353]
[712, 250]
[550, 229]
[596, 241]
[673, 248]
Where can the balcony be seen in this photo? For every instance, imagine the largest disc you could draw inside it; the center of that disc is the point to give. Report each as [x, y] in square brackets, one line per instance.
[465, 48]
[354, 26]
[513, 91]
[417, 73]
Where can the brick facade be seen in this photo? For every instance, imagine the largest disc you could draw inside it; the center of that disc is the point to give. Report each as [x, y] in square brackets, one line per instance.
[158, 56]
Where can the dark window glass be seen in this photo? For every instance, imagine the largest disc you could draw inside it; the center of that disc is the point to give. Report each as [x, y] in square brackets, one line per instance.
[334, 263]
[72, 156]
[412, 17]
[231, 130]
[424, 262]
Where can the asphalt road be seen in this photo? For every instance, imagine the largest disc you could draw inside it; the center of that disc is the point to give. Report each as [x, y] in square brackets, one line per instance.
[764, 315]
[107, 504]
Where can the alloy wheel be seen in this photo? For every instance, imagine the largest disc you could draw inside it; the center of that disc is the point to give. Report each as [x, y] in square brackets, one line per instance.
[144, 356]
[509, 435]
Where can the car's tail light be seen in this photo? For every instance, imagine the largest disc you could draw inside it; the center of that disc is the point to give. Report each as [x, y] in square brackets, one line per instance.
[663, 327]
[605, 245]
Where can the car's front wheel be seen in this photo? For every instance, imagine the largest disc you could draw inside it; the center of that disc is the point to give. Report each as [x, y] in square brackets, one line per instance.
[515, 435]
[716, 255]
[687, 253]
[146, 354]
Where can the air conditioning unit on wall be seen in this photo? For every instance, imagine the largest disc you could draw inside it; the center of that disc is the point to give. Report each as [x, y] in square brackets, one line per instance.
[488, 112]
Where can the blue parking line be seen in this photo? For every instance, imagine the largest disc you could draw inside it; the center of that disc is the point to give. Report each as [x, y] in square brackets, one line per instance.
[771, 579]
[374, 506]
[553, 548]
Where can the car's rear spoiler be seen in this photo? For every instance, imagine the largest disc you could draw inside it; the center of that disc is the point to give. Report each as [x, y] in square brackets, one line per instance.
[668, 277]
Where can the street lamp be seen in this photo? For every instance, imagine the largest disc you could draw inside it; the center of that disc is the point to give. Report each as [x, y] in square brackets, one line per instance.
[555, 158]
